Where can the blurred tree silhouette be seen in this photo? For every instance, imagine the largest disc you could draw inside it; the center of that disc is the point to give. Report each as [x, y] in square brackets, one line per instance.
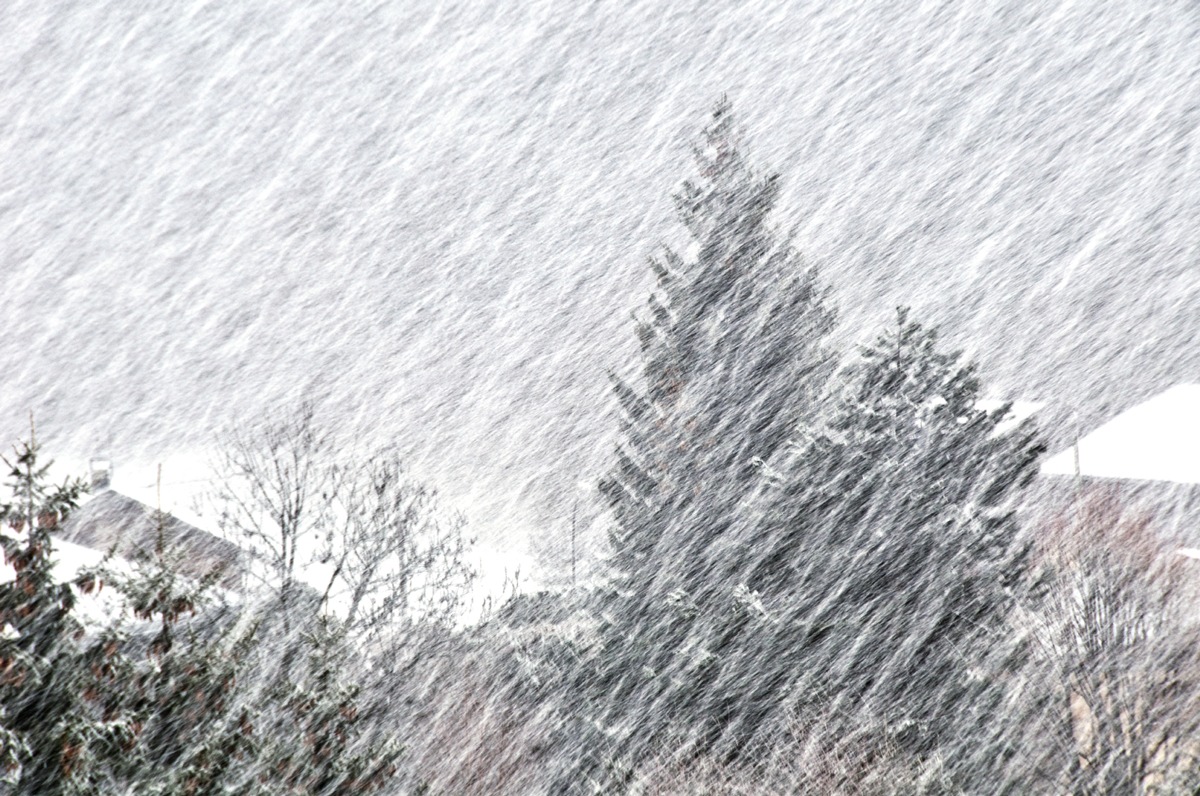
[1119, 644]
[47, 736]
[177, 692]
[732, 356]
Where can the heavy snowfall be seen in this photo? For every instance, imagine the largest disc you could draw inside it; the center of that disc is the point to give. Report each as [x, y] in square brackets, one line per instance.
[609, 398]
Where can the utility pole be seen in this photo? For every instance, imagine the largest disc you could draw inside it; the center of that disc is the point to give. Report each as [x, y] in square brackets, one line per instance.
[574, 515]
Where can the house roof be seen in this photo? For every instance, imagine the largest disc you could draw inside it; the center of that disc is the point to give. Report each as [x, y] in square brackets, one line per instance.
[113, 521]
[1158, 440]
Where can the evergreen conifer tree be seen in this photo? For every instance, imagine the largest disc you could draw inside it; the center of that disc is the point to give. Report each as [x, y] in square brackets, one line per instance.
[323, 743]
[889, 553]
[177, 695]
[176, 677]
[875, 572]
[225, 701]
[49, 741]
[731, 356]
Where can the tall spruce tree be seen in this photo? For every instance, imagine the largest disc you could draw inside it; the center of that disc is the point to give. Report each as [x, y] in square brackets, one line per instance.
[731, 356]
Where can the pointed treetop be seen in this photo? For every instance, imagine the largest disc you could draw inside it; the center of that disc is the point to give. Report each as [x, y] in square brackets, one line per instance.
[906, 362]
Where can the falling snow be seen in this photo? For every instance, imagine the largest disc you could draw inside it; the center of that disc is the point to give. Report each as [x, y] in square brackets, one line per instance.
[429, 225]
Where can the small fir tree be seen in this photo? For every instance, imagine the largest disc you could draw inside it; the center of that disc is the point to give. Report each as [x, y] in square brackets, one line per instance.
[217, 705]
[48, 742]
[175, 678]
[889, 553]
[177, 696]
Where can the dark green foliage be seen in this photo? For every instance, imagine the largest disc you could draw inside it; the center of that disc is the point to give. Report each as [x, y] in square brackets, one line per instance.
[731, 349]
[173, 677]
[46, 739]
[223, 704]
[862, 592]
[321, 740]
[905, 454]
[179, 694]
[887, 557]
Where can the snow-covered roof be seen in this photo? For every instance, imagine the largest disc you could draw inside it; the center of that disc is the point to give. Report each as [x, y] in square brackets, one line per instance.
[1158, 440]
[69, 560]
[111, 520]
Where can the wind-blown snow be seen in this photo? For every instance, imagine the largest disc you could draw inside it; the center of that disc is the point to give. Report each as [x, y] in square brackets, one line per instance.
[433, 218]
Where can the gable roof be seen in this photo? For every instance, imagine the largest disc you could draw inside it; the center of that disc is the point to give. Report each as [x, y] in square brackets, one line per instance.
[1158, 440]
[113, 521]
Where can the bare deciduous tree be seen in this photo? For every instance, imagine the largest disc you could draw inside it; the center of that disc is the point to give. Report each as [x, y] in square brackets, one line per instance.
[395, 555]
[275, 498]
[353, 534]
[1118, 636]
